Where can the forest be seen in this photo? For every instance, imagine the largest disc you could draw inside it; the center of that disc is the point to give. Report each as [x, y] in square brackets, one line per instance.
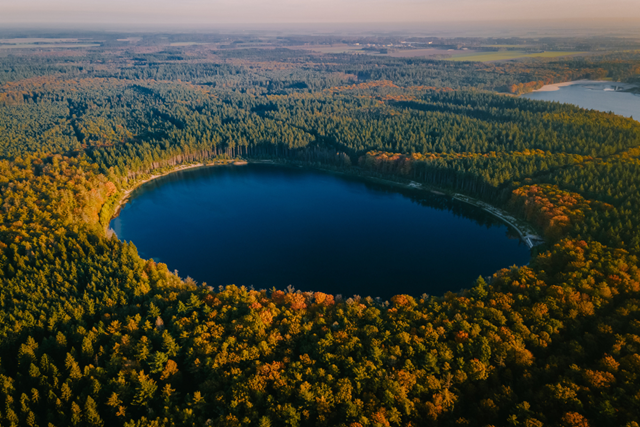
[91, 334]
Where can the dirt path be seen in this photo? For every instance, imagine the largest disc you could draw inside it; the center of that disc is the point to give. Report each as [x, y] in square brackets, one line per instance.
[527, 234]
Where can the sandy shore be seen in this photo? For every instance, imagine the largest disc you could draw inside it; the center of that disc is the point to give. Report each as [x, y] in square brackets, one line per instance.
[527, 233]
[557, 86]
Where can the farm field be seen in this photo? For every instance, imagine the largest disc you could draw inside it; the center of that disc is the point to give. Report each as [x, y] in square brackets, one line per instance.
[504, 56]
[455, 55]
[26, 40]
[334, 48]
[47, 45]
[416, 53]
[394, 52]
[180, 44]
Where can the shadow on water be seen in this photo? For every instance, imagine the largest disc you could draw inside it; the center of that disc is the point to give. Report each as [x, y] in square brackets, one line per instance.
[445, 203]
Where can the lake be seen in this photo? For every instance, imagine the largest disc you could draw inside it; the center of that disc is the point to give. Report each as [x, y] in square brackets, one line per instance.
[273, 226]
[593, 95]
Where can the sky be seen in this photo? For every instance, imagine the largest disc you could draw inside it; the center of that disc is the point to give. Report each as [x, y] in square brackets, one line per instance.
[210, 12]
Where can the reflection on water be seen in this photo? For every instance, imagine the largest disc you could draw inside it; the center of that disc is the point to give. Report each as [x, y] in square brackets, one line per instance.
[273, 226]
[601, 96]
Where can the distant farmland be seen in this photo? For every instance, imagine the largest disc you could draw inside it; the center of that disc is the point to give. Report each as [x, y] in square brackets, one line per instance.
[506, 55]
[47, 45]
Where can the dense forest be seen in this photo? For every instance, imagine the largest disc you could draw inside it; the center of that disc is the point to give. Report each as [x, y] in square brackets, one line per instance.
[93, 335]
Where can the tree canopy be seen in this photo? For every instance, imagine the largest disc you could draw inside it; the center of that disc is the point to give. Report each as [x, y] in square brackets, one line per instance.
[91, 334]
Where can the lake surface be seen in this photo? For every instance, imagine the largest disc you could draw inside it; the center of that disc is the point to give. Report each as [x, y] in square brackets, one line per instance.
[601, 96]
[274, 226]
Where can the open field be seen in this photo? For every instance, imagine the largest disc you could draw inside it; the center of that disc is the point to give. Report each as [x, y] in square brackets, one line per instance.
[335, 48]
[507, 45]
[130, 39]
[414, 53]
[506, 55]
[455, 55]
[47, 45]
[188, 44]
[394, 51]
[36, 40]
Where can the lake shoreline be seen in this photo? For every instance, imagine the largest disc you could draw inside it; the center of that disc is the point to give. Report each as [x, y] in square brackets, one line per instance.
[122, 201]
[525, 231]
[605, 96]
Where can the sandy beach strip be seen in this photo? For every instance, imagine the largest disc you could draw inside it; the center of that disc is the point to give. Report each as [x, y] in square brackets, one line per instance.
[557, 86]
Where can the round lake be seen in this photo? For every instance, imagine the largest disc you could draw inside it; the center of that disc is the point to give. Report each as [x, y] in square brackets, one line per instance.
[274, 226]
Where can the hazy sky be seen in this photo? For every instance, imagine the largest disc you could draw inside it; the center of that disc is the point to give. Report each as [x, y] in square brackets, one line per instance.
[202, 12]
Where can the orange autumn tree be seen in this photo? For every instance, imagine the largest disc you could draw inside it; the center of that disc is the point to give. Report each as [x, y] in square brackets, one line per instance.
[552, 209]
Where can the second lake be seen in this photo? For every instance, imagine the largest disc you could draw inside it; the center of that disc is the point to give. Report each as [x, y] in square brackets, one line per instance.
[593, 95]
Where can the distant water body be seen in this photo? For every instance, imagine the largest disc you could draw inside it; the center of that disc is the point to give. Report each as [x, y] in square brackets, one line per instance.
[593, 95]
[274, 226]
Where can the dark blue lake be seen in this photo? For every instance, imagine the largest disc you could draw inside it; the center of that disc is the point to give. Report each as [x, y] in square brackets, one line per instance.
[274, 226]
